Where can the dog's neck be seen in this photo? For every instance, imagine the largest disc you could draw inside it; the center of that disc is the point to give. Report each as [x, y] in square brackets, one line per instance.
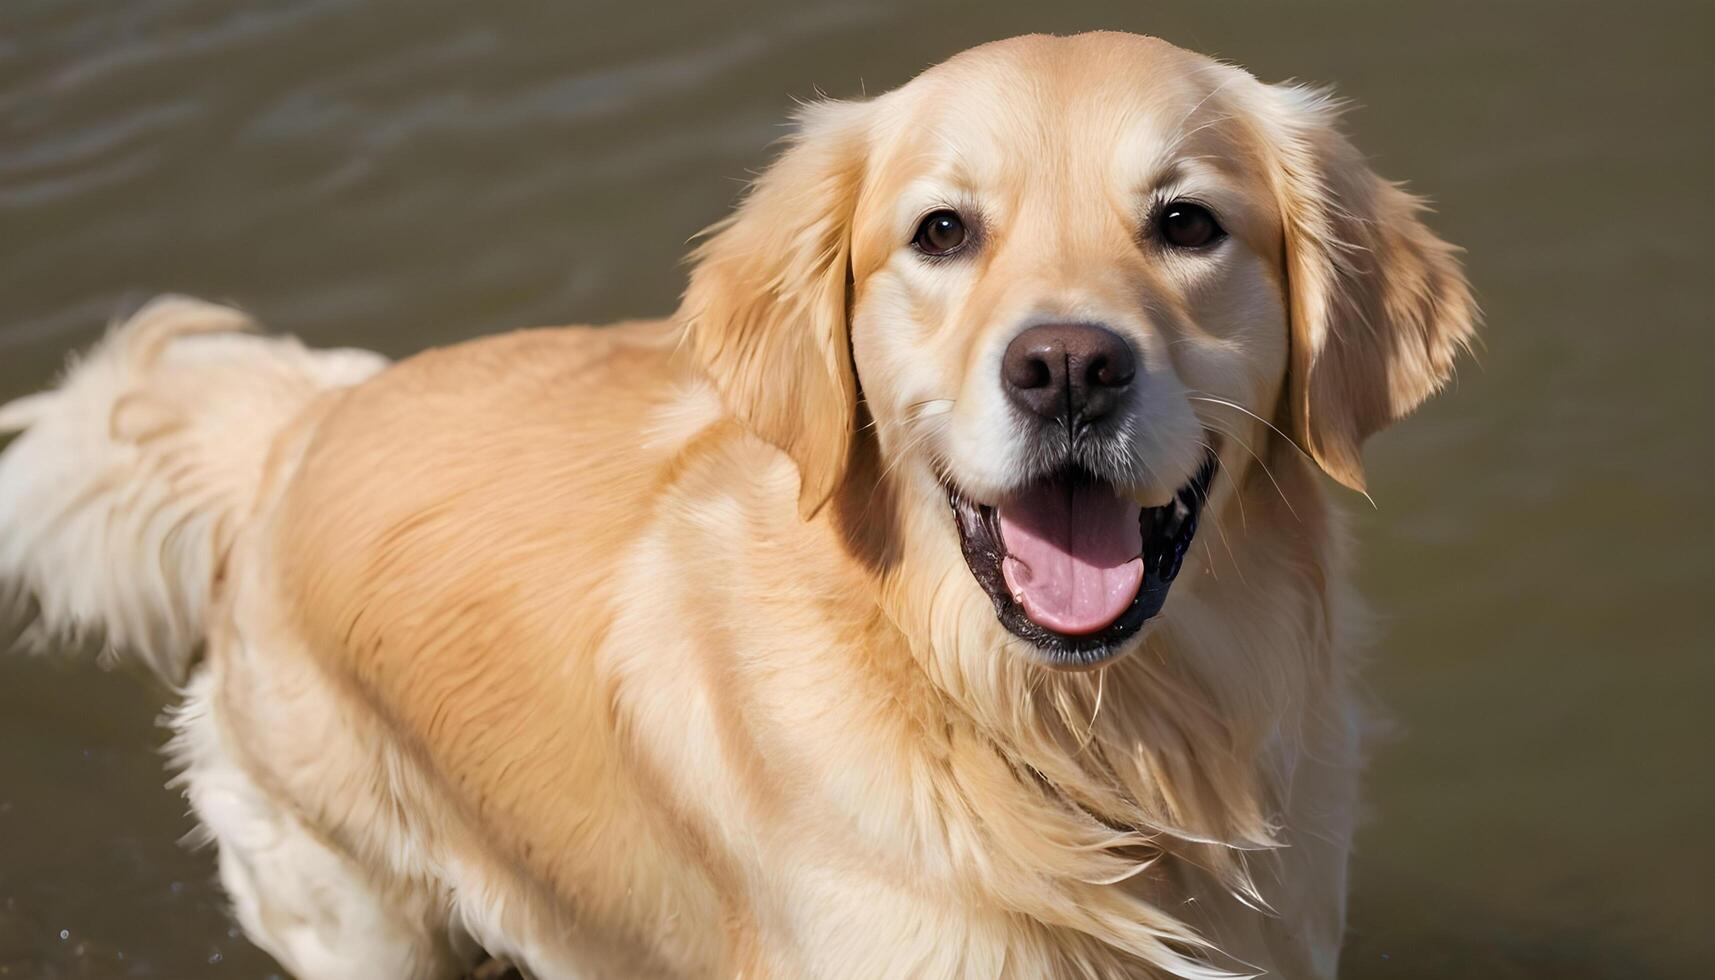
[1182, 750]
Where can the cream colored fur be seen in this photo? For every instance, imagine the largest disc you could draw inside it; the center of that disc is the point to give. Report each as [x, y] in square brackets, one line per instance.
[649, 651]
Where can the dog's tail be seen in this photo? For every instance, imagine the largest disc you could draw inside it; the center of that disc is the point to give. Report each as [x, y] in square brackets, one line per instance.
[127, 482]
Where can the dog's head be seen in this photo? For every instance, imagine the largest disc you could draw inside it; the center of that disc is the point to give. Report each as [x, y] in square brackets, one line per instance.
[1069, 286]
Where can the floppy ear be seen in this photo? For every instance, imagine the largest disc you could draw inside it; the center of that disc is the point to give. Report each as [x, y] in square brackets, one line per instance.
[1379, 305]
[768, 300]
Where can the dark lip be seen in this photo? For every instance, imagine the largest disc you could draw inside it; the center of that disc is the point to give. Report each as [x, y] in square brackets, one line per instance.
[1164, 535]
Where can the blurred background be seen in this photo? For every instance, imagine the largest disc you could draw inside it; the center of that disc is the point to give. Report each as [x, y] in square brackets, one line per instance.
[399, 175]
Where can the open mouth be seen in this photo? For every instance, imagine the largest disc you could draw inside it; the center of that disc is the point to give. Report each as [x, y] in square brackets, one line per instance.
[1072, 566]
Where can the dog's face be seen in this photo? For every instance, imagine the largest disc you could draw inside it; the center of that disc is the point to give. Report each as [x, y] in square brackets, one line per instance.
[1077, 281]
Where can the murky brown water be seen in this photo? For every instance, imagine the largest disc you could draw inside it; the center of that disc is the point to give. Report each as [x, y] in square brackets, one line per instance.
[408, 175]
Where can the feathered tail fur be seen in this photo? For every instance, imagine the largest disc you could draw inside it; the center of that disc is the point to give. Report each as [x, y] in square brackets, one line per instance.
[127, 482]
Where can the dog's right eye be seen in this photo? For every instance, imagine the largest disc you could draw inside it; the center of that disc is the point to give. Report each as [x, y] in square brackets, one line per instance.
[940, 233]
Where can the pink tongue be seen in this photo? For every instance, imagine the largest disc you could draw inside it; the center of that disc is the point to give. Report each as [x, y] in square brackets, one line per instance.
[1072, 555]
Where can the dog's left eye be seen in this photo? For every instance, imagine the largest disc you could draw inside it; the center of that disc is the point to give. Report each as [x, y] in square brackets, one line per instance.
[1187, 225]
[941, 233]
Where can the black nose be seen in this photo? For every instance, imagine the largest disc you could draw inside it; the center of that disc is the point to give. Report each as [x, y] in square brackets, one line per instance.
[1073, 373]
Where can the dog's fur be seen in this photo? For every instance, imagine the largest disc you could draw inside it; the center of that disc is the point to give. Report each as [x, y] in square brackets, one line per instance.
[650, 650]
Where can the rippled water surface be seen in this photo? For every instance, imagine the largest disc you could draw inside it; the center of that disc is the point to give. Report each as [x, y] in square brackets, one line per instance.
[402, 175]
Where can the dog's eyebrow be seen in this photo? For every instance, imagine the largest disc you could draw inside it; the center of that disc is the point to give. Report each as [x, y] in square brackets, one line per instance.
[1204, 170]
[1170, 172]
[1175, 173]
[1170, 158]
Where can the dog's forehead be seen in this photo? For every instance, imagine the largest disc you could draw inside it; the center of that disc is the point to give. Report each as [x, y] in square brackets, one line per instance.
[1101, 52]
[1094, 95]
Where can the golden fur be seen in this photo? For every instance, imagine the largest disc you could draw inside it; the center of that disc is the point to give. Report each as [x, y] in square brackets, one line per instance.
[649, 650]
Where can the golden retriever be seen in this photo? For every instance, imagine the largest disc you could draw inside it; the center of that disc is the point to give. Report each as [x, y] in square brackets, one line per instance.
[945, 590]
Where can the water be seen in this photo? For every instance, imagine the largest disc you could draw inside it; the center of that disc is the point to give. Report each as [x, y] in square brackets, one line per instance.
[404, 175]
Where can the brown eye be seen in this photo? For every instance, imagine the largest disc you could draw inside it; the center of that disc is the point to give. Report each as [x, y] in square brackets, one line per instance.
[941, 233]
[1187, 225]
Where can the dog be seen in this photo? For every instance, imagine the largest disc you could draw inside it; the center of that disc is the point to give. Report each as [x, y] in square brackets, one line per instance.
[949, 588]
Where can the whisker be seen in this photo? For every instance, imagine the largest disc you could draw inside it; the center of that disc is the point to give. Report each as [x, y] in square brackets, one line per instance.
[1265, 469]
[1203, 396]
[1244, 521]
[915, 412]
[1261, 464]
[1221, 530]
